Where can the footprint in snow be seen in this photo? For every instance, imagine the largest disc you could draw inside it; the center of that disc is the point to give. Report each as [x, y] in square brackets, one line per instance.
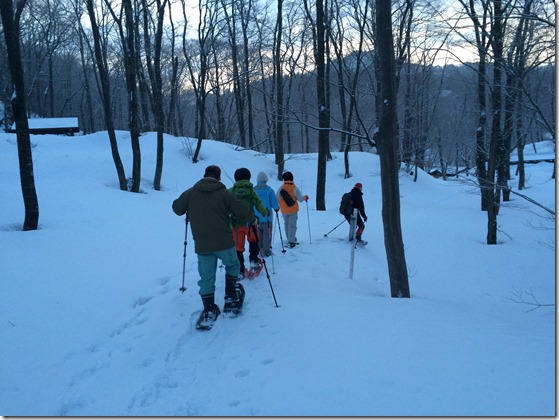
[163, 280]
[141, 301]
[242, 373]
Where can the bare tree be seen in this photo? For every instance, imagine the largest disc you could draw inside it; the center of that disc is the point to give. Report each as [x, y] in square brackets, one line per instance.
[85, 49]
[53, 26]
[171, 123]
[515, 67]
[199, 69]
[264, 44]
[482, 39]
[231, 18]
[318, 26]
[126, 23]
[532, 48]
[278, 83]
[10, 23]
[496, 135]
[245, 12]
[153, 62]
[386, 143]
[102, 69]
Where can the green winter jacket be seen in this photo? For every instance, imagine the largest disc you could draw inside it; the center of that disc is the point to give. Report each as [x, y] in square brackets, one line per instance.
[209, 205]
[244, 191]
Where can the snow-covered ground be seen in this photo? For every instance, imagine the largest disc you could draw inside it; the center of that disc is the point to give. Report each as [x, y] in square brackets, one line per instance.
[93, 323]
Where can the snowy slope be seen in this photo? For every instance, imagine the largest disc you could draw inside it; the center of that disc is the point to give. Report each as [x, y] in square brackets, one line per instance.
[94, 323]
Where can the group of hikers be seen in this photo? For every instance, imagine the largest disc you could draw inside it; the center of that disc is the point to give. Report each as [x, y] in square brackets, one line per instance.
[222, 220]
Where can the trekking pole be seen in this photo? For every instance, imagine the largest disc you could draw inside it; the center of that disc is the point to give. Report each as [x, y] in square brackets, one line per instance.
[279, 228]
[308, 221]
[326, 234]
[270, 234]
[270, 281]
[182, 289]
[352, 224]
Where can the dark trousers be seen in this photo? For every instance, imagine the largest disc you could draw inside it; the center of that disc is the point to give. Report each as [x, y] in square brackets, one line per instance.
[360, 225]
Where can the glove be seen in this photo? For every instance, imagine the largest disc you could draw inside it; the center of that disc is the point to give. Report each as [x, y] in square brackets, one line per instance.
[255, 222]
[269, 212]
[365, 218]
[306, 197]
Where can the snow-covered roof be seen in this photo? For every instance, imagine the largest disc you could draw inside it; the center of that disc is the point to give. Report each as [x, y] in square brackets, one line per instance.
[542, 150]
[67, 122]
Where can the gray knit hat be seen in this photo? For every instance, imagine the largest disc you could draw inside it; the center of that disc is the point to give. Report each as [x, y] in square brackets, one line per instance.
[262, 177]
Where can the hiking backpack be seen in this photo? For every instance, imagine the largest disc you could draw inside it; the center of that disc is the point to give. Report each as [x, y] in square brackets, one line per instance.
[287, 198]
[346, 204]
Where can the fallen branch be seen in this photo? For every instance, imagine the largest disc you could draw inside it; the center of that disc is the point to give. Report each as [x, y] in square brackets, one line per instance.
[519, 298]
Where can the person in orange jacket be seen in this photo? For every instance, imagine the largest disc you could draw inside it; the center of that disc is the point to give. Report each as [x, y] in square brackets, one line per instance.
[288, 197]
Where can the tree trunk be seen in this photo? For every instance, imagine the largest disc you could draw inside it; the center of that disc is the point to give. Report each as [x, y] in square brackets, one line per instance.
[520, 165]
[279, 152]
[230, 19]
[129, 48]
[106, 96]
[270, 146]
[247, 87]
[503, 167]
[323, 111]
[89, 125]
[10, 25]
[386, 144]
[220, 112]
[157, 84]
[492, 210]
[50, 93]
[481, 34]
[517, 57]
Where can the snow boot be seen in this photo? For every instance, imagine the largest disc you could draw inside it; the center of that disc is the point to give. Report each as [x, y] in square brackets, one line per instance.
[209, 313]
[234, 296]
[358, 237]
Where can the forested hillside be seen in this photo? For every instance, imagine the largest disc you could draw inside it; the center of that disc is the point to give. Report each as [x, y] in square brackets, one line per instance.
[245, 71]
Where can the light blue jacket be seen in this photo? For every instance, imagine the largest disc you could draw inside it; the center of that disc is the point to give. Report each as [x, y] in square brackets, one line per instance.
[268, 198]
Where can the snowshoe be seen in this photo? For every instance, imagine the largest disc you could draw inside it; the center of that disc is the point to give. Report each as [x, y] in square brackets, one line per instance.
[292, 244]
[361, 242]
[233, 306]
[207, 318]
[255, 269]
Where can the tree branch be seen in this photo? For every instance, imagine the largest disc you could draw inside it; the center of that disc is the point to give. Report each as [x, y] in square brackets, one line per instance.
[520, 298]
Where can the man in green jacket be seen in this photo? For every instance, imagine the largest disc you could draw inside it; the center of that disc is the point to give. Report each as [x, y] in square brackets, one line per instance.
[243, 231]
[208, 205]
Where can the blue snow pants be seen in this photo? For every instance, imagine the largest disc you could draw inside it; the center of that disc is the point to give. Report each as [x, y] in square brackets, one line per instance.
[207, 266]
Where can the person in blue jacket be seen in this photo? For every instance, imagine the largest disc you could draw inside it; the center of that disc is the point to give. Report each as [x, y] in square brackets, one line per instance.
[265, 223]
